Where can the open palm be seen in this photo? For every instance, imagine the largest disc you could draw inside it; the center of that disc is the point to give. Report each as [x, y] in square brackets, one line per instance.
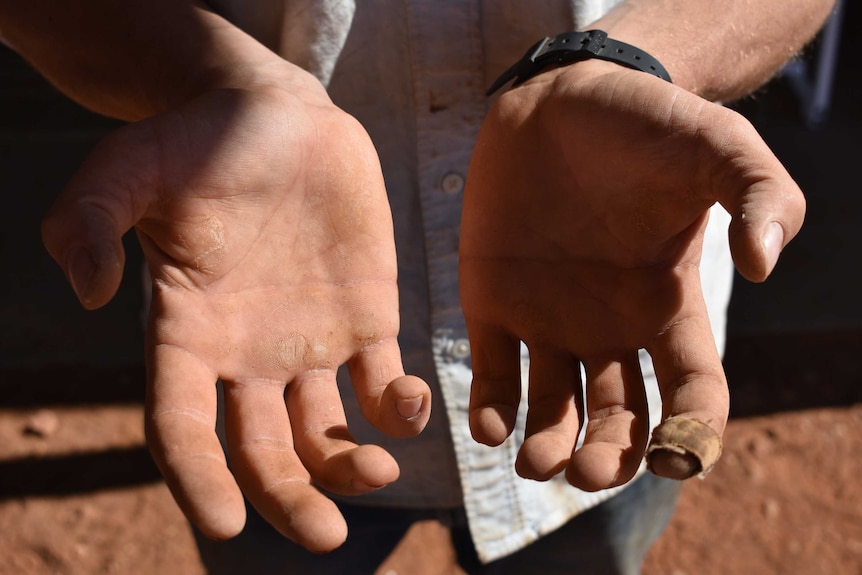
[583, 221]
[264, 221]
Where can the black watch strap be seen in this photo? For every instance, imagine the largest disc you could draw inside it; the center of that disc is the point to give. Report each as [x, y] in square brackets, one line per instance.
[576, 46]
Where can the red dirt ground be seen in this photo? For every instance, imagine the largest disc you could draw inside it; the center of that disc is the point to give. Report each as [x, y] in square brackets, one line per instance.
[784, 499]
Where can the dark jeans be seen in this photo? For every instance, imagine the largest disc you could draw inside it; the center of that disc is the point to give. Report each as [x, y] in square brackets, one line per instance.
[611, 538]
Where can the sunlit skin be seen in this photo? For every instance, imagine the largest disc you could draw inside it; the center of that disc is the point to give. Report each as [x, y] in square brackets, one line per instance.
[264, 221]
[583, 220]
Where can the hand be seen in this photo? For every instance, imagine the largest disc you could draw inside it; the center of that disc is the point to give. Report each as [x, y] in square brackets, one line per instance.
[263, 217]
[582, 226]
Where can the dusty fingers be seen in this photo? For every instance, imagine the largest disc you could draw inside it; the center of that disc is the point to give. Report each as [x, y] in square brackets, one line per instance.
[695, 400]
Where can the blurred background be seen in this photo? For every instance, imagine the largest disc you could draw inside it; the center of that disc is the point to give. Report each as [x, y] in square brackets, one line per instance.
[79, 493]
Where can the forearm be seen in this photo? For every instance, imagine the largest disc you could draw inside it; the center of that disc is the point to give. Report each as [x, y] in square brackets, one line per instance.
[131, 59]
[718, 50]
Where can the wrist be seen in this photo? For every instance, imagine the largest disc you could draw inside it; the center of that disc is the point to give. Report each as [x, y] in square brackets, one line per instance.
[166, 60]
[662, 44]
[571, 47]
[258, 74]
[232, 60]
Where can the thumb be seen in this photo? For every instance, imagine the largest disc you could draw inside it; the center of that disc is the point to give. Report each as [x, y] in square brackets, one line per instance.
[83, 230]
[766, 206]
[766, 218]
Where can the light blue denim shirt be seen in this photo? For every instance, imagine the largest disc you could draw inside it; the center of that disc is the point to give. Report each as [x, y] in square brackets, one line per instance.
[414, 73]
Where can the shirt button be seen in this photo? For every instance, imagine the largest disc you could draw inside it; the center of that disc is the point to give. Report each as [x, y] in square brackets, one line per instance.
[452, 183]
[461, 349]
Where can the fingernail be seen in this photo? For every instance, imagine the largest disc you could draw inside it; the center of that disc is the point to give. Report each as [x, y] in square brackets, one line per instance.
[80, 268]
[410, 407]
[773, 242]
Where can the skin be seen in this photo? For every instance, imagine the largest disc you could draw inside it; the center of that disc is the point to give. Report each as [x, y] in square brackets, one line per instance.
[261, 210]
[272, 265]
[614, 268]
[631, 164]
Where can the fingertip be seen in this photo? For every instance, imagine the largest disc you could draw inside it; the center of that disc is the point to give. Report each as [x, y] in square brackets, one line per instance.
[600, 466]
[359, 470]
[88, 248]
[80, 268]
[94, 280]
[207, 495]
[539, 458]
[772, 243]
[409, 408]
[405, 407]
[398, 405]
[282, 493]
[761, 228]
[673, 465]
[411, 397]
[682, 447]
[221, 518]
[332, 539]
[314, 522]
[321, 536]
[375, 469]
[746, 256]
[755, 257]
[492, 424]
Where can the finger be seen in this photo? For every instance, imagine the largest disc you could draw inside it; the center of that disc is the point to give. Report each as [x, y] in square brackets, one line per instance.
[83, 230]
[180, 429]
[553, 419]
[398, 405]
[496, 389]
[617, 425]
[762, 224]
[766, 205]
[270, 472]
[324, 444]
[695, 400]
